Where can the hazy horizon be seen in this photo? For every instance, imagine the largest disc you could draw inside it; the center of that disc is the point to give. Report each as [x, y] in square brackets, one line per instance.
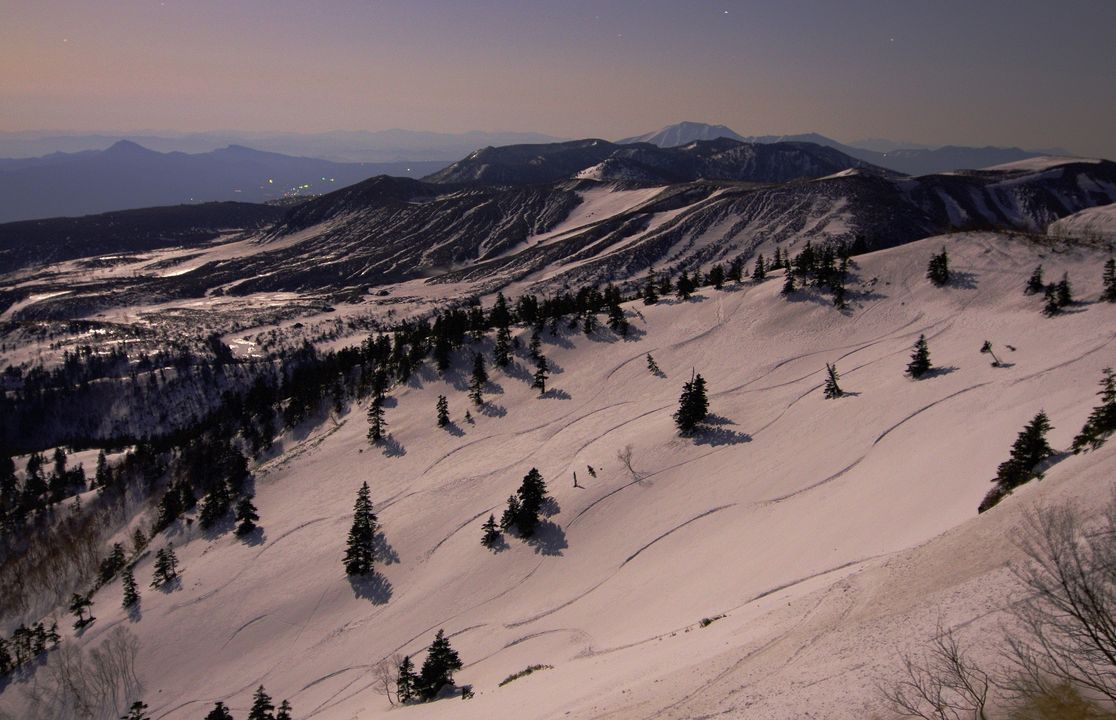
[998, 73]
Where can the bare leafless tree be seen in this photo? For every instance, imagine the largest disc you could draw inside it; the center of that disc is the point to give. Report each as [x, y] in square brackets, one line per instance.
[384, 677]
[1068, 620]
[74, 684]
[941, 684]
[625, 457]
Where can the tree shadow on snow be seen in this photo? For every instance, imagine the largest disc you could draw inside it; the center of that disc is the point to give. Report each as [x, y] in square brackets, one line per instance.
[549, 507]
[717, 436]
[454, 429]
[493, 388]
[558, 339]
[555, 394]
[548, 539]
[219, 528]
[254, 538]
[373, 586]
[389, 402]
[175, 583]
[493, 410]
[961, 279]
[135, 614]
[634, 334]
[383, 550]
[392, 447]
[517, 371]
[938, 372]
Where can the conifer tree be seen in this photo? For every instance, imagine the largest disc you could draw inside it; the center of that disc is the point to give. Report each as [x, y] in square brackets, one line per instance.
[938, 269]
[1030, 448]
[1035, 284]
[491, 532]
[219, 712]
[1102, 420]
[920, 359]
[759, 274]
[736, 270]
[839, 294]
[478, 381]
[131, 591]
[1064, 293]
[137, 711]
[443, 411]
[589, 324]
[166, 566]
[542, 371]
[650, 295]
[139, 540]
[617, 321]
[406, 680]
[247, 516]
[1051, 306]
[376, 422]
[1108, 294]
[360, 549]
[685, 286]
[652, 366]
[501, 352]
[534, 347]
[262, 706]
[78, 605]
[215, 505]
[103, 477]
[693, 405]
[666, 287]
[716, 276]
[832, 389]
[170, 508]
[511, 513]
[532, 494]
[788, 282]
[438, 668]
[284, 712]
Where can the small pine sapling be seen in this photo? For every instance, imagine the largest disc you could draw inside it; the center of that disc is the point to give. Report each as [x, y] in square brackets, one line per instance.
[131, 591]
[78, 605]
[442, 408]
[759, 273]
[652, 366]
[788, 282]
[542, 371]
[1035, 284]
[246, 516]
[832, 389]
[492, 533]
[920, 359]
[1064, 292]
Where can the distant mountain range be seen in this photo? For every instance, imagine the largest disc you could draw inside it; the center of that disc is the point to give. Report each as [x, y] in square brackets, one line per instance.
[917, 160]
[128, 175]
[381, 146]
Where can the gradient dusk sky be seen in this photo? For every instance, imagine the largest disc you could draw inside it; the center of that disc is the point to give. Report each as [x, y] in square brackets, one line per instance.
[1025, 72]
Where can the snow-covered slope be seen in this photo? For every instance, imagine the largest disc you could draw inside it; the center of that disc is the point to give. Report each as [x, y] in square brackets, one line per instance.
[828, 532]
[1098, 222]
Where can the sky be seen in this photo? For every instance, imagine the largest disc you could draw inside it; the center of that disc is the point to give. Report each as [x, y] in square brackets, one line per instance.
[1030, 73]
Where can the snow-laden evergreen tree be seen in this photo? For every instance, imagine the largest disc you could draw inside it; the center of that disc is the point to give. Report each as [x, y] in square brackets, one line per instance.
[284, 711]
[1035, 285]
[1064, 292]
[937, 271]
[832, 389]
[491, 532]
[788, 282]
[920, 359]
[406, 681]
[438, 668]
[650, 294]
[693, 405]
[443, 411]
[684, 287]
[501, 352]
[131, 590]
[246, 516]
[1029, 449]
[376, 422]
[1108, 294]
[78, 605]
[617, 321]
[262, 707]
[219, 712]
[360, 548]
[716, 276]
[759, 273]
[1102, 420]
[1051, 306]
[478, 381]
[215, 505]
[542, 372]
[166, 566]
